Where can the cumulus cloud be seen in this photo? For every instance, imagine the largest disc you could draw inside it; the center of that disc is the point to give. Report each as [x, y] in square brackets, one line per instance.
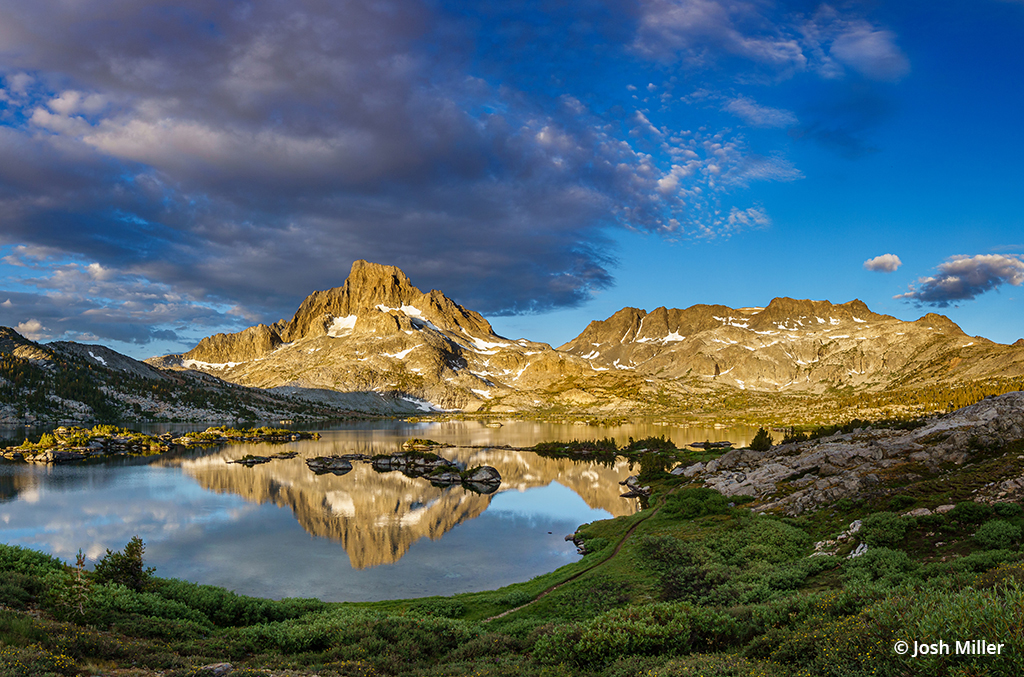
[886, 263]
[33, 330]
[963, 278]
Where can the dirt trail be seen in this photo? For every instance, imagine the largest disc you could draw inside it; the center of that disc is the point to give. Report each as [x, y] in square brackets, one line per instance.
[576, 575]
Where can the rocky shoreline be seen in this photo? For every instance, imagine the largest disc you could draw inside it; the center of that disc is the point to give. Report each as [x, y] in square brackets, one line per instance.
[73, 444]
[799, 477]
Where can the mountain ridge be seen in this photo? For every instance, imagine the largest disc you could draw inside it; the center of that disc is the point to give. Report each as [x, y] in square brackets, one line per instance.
[379, 344]
[379, 333]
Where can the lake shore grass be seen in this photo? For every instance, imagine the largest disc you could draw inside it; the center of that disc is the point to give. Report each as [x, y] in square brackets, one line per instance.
[694, 584]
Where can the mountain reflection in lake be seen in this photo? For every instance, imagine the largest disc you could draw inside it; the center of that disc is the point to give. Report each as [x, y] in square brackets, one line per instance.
[279, 530]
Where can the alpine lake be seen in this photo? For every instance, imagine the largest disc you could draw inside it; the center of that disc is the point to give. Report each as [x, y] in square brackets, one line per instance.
[279, 530]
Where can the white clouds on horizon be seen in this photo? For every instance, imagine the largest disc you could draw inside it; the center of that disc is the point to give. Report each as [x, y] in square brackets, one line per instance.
[963, 278]
[886, 263]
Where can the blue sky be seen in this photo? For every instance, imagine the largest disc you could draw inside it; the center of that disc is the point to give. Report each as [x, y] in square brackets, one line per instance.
[173, 169]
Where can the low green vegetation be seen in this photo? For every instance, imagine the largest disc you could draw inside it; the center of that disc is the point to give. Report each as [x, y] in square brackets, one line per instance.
[111, 436]
[695, 584]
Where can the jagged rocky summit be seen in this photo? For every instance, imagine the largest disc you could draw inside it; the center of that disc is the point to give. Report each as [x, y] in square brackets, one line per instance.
[379, 343]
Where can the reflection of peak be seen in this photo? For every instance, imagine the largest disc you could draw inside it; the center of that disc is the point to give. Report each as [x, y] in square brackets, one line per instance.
[378, 516]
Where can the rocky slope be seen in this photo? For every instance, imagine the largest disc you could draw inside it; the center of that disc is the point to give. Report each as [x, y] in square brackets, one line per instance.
[381, 338]
[797, 477]
[65, 381]
[791, 345]
[378, 343]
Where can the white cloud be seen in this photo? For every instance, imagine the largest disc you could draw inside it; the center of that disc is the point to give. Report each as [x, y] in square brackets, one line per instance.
[33, 330]
[60, 124]
[757, 115]
[702, 30]
[752, 217]
[871, 52]
[962, 278]
[886, 263]
[70, 102]
[19, 82]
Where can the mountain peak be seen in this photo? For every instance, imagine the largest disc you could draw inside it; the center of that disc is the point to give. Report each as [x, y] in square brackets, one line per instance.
[368, 287]
[375, 298]
[372, 288]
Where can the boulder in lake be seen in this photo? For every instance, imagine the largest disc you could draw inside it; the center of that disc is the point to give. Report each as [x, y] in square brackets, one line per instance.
[331, 464]
[446, 477]
[484, 474]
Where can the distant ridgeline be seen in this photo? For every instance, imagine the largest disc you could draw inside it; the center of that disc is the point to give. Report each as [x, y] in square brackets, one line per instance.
[69, 381]
[378, 344]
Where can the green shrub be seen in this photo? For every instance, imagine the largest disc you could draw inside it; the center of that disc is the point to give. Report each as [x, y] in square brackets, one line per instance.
[228, 609]
[762, 440]
[913, 613]
[884, 529]
[969, 512]
[839, 647]
[901, 502]
[113, 601]
[34, 661]
[696, 502]
[997, 534]
[18, 590]
[444, 608]
[14, 558]
[125, 568]
[723, 665]
[1001, 575]
[649, 444]
[18, 628]
[761, 539]
[891, 567]
[1008, 510]
[404, 638]
[514, 599]
[651, 629]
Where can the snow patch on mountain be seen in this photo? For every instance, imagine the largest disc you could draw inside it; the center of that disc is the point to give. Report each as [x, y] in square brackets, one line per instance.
[342, 326]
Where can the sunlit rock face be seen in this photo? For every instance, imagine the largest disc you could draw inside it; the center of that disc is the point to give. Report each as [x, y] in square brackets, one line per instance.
[378, 516]
[378, 334]
[795, 345]
[378, 343]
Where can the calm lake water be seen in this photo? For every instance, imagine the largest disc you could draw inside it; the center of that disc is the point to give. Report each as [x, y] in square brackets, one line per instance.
[278, 530]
